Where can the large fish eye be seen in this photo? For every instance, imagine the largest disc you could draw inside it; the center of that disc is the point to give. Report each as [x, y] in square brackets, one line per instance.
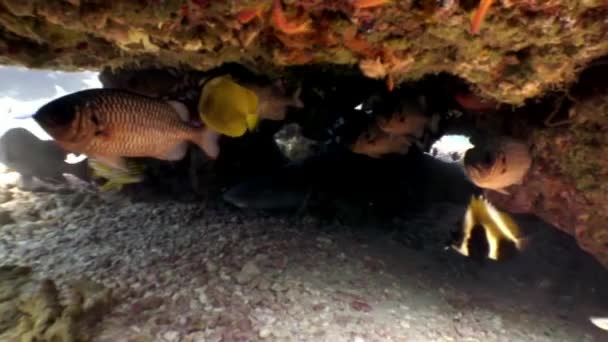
[487, 158]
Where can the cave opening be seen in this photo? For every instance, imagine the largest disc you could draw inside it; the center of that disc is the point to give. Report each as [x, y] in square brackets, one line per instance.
[291, 222]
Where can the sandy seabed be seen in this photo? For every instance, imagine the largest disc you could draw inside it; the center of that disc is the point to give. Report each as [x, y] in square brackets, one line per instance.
[194, 272]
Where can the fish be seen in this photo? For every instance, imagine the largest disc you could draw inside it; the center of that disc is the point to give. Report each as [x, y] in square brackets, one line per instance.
[31, 157]
[111, 124]
[273, 102]
[408, 119]
[227, 107]
[487, 233]
[375, 143]
[232, 109]
[498, 164]
[117, 178]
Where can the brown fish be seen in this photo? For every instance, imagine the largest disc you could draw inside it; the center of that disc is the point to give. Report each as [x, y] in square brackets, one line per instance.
[407, 119]
[375, 143]
[273, 102]
[404, 123]
[498, 164]
[108, 124]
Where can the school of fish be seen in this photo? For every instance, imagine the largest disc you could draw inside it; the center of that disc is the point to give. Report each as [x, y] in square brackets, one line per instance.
[111, 126]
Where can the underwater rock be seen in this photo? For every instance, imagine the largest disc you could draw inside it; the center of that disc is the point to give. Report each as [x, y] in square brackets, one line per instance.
[293, 144]
[32, 310]
[522, 49]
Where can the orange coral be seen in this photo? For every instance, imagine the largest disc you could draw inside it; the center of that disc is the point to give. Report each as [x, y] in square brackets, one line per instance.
[247, 15]
[295, 42]
[284, 25]
[361, 4]
[480, 14]
[356, 44]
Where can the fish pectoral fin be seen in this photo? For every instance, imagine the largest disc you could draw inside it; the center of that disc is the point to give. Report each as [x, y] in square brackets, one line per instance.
[502, 191]
[182, 111]
[177, 152]
[210, 143]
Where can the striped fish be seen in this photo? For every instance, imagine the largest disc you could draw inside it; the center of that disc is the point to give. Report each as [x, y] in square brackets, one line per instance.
[109, 124]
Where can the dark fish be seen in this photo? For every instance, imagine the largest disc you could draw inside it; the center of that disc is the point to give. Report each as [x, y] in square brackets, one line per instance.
[31, 157]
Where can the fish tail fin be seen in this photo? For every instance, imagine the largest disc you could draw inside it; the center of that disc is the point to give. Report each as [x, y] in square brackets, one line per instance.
[208, 140]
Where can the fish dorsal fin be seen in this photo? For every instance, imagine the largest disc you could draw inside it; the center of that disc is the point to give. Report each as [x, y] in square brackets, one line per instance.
[182, 111]
[503, 191]
[211, 144]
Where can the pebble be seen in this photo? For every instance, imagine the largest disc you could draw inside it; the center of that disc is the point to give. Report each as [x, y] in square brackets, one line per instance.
[265, 333]
[171, 336]
[5, 217]
[5, 196]
[249, 271]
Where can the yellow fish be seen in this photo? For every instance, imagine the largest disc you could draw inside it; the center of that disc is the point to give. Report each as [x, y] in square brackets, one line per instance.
[488, 233]
[228, 108]
[117, 177]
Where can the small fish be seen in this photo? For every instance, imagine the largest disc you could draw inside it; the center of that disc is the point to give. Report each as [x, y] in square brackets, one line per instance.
[109, 124]
[273, 102]
[487, 233]
[473, 102]
[117, 178]
[227, 107]
[411, 123]
[233, 109]
[498, 164]
[31, 157]
[375, 143]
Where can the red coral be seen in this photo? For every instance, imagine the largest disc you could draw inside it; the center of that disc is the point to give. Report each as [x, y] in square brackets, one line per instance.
[361, 4]
[288, 26]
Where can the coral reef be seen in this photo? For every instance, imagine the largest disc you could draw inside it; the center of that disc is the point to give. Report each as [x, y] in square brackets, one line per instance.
[524, 47]
[566, 185]
[33, 310]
